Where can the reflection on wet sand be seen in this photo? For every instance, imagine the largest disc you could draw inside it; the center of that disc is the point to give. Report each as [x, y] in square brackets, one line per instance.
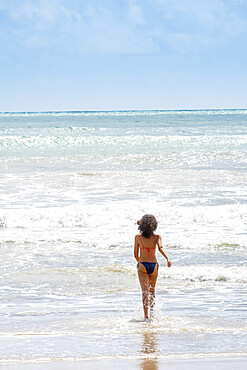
[149, 348]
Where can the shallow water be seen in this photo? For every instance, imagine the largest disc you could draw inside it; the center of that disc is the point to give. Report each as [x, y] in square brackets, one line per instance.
[73, 185]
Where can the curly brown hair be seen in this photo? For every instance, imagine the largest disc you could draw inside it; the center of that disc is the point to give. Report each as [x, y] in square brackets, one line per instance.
[147, 225]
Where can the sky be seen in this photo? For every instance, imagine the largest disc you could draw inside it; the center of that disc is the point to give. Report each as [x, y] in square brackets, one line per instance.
[58, 55]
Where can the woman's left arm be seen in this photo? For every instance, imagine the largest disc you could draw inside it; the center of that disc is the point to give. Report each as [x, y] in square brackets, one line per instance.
[161, 250]
[136, 249]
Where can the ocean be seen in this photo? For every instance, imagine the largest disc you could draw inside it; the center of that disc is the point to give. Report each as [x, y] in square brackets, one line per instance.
[73, 185]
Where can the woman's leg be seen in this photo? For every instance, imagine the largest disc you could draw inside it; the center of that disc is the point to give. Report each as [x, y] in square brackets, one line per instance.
[152, 283]
[144, 282]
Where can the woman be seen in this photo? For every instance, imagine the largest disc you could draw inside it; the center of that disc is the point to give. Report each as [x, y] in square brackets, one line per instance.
[144, 252]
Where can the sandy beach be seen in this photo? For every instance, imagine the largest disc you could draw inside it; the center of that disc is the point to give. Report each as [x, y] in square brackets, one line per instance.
[219, 363]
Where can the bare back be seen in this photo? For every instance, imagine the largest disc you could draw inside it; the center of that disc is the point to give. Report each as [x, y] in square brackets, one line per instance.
[146, 248]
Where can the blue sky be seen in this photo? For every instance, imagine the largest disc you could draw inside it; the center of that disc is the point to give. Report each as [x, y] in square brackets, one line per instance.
[122, 54]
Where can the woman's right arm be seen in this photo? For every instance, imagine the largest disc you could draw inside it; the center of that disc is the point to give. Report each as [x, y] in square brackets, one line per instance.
[161, 250]
[136, 249]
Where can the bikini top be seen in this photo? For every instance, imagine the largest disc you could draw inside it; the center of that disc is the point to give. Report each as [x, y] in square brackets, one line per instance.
[148, 248]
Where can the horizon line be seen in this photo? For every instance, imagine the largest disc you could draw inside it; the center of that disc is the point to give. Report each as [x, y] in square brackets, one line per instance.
[122, 110]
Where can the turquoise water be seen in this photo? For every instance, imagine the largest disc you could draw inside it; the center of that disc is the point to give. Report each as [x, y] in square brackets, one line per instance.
[72, 186]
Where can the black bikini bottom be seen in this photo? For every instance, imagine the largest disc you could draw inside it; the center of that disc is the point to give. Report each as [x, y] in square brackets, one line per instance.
[149, 266]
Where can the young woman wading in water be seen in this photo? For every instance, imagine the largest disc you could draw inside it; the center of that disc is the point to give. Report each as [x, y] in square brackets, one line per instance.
[147, 266]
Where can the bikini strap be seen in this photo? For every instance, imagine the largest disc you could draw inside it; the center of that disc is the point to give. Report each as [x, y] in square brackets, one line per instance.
[148, 248]
[141, 241]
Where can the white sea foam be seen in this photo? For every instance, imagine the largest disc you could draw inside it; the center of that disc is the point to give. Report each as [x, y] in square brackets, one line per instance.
[73, 185]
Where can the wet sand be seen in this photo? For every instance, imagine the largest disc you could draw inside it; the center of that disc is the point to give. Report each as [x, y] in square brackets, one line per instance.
[219, 363]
